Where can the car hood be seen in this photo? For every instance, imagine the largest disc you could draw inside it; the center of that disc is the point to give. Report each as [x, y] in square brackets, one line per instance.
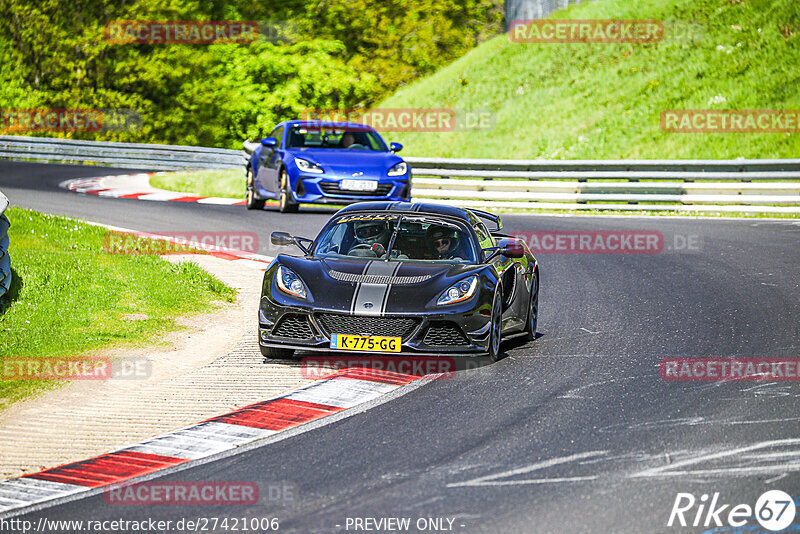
[340, 162]
[375, 287]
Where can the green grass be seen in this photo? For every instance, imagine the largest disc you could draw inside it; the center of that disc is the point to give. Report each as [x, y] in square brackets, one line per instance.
[586, 101]
[227, 183]
[69, 296]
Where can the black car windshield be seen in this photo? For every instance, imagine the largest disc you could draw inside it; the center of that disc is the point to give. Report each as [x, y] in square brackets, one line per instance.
[418, 238]
[335, 138]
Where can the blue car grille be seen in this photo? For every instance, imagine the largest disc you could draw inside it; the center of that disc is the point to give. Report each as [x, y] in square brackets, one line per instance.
[332, 188]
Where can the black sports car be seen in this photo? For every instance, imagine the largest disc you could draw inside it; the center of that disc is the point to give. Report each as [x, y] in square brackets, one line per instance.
[396, 277]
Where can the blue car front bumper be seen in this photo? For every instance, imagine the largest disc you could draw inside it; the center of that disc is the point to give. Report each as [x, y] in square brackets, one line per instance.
[326, 190]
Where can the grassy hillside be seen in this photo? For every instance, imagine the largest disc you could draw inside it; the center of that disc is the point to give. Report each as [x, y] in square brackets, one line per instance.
[576, 101]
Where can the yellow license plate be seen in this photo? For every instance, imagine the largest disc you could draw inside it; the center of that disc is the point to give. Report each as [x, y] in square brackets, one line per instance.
[365, 343]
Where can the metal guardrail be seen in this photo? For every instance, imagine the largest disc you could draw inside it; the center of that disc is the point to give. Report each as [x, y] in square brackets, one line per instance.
[533, 9]
[589, 184]
[5, 258]
[124, 155]
[497, 183]
[633, 168]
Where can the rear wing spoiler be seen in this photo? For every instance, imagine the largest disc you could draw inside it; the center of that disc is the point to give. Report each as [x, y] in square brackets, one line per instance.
[491, 217]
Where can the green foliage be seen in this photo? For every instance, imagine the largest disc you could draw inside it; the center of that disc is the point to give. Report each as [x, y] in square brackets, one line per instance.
[402, 40]
[53, 54]
[587, 101]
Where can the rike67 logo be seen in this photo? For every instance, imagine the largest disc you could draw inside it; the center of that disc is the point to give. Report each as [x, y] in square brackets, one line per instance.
[774, 510]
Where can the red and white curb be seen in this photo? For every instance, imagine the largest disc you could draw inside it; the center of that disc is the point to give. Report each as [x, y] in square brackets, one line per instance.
[137, 186]
[240, 257]
[343, 390]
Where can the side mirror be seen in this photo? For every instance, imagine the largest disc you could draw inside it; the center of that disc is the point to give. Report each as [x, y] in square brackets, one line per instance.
[512, 251]
[395, 147]
[269, 142]
[283, 239]
[511, 247]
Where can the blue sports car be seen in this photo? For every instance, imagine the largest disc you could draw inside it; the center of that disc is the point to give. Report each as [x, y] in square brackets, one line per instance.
[323, 162]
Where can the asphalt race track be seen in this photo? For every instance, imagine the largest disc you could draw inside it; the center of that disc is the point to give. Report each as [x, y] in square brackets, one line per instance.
[575, 432]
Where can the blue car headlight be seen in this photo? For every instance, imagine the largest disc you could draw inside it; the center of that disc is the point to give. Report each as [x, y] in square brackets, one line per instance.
[399, 170]
[290, 283]
[307, 166]
[459, 291]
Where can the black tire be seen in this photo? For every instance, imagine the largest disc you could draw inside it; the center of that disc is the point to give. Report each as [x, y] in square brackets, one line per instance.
[276, 353]
[533, 311]
[251, 202]
[285, 203]
[495, 333]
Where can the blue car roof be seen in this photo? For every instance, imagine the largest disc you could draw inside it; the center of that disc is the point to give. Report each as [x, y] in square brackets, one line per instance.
[329, 124]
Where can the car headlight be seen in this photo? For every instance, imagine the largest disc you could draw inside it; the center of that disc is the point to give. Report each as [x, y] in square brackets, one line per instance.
[307, 166]
[399, 170]
[459, 291]
[290, 283]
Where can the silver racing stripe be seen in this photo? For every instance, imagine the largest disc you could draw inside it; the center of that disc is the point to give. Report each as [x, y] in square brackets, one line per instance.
[370, 299]
[389, 289]
[358, 288]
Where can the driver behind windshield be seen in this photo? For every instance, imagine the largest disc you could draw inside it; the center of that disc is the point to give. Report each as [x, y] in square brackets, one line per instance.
[347, 140]
[372, 238]
[442, 243]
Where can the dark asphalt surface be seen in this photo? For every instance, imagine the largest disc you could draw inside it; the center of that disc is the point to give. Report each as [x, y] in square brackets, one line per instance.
[575, 432]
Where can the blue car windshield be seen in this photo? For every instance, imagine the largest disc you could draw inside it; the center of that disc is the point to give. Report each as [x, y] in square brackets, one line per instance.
[337, 138]
[418, 238]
